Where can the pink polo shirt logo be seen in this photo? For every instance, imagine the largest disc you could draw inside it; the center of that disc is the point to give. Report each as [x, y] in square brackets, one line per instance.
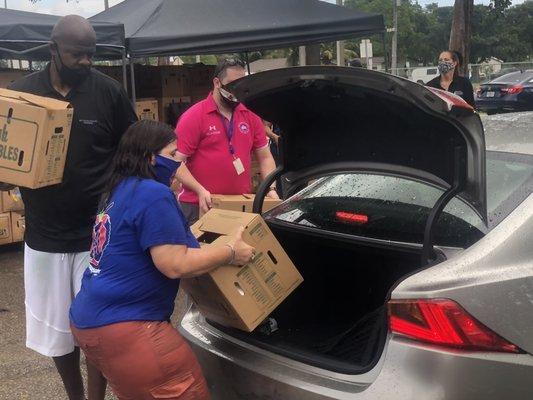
[244, 128]
[212, 130]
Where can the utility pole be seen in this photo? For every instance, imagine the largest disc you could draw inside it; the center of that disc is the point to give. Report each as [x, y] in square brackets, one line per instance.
[5, 4]
[340, 46]
[106, 4]
[394, 56]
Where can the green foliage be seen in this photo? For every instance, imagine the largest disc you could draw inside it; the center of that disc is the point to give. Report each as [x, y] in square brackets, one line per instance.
[498, 30]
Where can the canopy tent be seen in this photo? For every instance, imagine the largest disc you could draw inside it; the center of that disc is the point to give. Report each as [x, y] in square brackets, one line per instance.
[180, 27]
[25, 35]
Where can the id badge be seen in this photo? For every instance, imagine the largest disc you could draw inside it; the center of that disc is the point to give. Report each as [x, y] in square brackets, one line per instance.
[239, 168]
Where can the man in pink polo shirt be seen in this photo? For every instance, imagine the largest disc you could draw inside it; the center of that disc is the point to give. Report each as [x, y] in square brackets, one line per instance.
[216, 138]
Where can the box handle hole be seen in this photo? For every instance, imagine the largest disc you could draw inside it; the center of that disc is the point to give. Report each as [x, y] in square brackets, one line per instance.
[21, 158]
[272, 257]
[9, 115]
[239, 289]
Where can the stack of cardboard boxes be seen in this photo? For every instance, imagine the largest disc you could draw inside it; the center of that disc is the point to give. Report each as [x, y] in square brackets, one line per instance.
[8, 76]
[201, 81]
[11, 217]
[166, 84]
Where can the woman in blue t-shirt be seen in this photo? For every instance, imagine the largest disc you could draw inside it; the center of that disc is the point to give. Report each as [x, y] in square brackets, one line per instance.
[141, 247]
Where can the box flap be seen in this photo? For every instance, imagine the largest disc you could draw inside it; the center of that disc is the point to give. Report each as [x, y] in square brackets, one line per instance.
[44, 102]
[223, 222]
[231, 197]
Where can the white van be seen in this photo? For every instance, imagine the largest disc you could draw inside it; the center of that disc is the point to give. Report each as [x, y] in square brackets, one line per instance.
[424, 74]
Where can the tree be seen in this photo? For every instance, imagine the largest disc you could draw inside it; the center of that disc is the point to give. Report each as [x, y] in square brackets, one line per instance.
[461, 32]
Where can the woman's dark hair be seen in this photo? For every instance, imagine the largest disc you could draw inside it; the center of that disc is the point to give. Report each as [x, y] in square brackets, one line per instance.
[459, 57]
[138, 145]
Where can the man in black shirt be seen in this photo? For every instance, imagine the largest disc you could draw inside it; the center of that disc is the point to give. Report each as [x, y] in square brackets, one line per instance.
[59, 218]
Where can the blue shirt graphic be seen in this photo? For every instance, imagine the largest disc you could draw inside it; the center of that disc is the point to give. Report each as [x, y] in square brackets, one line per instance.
[122, 283]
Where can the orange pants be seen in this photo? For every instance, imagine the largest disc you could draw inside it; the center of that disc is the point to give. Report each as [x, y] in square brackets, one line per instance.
[144, 360]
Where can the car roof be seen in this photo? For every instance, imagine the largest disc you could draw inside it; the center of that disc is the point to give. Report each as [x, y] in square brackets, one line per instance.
[514, 77]
[509, 132]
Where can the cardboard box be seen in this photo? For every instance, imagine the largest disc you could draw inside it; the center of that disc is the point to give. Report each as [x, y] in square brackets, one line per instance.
[175, 81]
[34, 136]
[242, 297]
[6, 235]
[11, 201]
[113, 71]
[147, 109]
[8, 76]
[164, 103]
[18, 226]
[242, 203]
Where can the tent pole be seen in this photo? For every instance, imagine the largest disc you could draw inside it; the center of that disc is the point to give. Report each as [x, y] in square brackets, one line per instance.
[385, 58]
[124, 71]
[132, 77]
[247, 62]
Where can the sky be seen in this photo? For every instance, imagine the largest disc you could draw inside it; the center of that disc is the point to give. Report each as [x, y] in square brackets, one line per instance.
[88, 8]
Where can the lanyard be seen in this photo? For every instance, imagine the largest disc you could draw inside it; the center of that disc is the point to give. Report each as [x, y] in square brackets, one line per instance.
[229, 133]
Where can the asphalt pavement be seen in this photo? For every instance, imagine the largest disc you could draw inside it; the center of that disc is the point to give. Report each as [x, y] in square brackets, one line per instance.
[24, 374]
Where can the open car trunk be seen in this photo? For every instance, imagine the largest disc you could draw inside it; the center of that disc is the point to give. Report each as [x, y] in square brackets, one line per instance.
[337, 319]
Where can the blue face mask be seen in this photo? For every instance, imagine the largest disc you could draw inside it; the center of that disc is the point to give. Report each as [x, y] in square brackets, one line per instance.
[164, 169]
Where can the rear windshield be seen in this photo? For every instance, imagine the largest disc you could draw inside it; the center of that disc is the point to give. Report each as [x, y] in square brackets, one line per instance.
[393, 208]
[514, 77]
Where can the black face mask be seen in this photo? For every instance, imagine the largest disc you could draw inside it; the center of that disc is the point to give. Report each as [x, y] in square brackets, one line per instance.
[71, 76]
[228, 98]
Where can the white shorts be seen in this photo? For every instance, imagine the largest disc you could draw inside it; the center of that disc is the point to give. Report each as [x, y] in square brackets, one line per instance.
[51, 280]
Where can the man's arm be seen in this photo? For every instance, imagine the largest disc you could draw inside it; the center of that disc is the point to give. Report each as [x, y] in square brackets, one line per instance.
[266, 166]
[185, 177]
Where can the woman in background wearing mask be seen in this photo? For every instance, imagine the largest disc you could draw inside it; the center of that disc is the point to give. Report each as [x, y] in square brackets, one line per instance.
[141, 248]
[449, 78]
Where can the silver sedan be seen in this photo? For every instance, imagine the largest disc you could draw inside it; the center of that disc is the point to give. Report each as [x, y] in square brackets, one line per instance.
[414, 240]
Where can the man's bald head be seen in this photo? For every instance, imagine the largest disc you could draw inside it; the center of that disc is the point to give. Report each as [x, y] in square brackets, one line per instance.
[75, 31]
[72, 48]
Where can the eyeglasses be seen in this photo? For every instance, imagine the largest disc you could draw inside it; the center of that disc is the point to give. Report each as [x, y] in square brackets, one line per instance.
[226, 63]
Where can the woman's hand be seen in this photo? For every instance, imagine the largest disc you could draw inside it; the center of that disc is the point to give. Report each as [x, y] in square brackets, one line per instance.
[242, 253]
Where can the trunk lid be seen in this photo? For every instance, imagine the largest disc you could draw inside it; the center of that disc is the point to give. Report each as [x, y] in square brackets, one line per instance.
[341, 119]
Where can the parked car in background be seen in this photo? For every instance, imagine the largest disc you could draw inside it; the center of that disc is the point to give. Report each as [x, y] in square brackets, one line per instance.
[503, 71]
[414, 243]
[509, 92]
[424, 75]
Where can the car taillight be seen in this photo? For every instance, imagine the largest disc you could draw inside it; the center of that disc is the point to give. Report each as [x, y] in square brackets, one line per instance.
[513, 89]
[446, 323]
[351, 218]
